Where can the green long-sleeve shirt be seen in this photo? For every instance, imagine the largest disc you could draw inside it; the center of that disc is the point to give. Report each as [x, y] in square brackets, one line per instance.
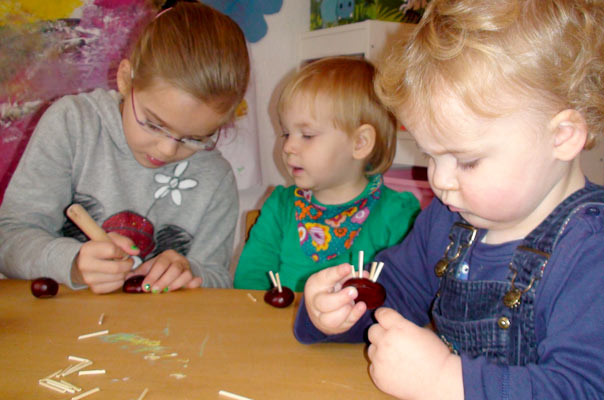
[274, 243]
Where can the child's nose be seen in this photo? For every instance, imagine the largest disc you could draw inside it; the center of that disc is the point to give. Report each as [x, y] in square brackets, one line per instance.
[168, 146]
[289, 146]
[442, 175]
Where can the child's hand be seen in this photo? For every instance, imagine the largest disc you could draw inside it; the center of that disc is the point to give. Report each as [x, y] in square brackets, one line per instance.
[169, 270]
[331, 309]
[410, 362]
[103, 266]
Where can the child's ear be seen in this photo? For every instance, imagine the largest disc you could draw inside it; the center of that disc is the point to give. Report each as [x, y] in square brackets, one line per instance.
[569, 131]
[364, 141]
[124, 77]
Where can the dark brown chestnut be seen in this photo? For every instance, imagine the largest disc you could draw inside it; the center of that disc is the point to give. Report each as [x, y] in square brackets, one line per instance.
[44, 287]
[372, 293]
[134, 284]
[279, 299]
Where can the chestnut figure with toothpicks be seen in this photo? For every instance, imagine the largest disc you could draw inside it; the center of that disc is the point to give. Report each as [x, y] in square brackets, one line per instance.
[278, 296]
[369, 290]
[496, 293]
[337, 141]
[142, 161]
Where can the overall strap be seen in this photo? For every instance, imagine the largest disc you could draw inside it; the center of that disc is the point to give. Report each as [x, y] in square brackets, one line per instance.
[531, 257]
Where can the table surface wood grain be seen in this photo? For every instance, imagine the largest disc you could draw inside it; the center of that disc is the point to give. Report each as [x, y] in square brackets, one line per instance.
[187, 344]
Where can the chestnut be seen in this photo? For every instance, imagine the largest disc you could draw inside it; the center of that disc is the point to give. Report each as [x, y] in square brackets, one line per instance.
[370, 292]
[44, 287]
[279, 299]
[134, 284]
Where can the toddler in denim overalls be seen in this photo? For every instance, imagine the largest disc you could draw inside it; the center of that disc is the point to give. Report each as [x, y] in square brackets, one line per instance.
[496, 293]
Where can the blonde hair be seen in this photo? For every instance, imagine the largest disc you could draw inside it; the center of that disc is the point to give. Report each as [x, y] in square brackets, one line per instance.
[548, 51]
[197, 49]
[347, 82]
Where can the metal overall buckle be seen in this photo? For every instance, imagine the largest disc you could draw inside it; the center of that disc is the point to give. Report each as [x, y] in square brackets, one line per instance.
[443, 263]
[513, 296]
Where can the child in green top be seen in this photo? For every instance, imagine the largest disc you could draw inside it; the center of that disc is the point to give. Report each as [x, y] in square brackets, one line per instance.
[337, 141]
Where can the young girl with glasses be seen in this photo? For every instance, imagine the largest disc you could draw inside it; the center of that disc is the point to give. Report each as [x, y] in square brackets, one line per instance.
[142, 162]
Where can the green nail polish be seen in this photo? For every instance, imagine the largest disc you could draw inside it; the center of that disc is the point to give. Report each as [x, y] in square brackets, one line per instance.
[155, 291]
[166, 289]
[134, 247]
[147, 287]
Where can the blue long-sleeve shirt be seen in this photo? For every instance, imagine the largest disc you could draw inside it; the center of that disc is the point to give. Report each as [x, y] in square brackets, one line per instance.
[569, 308]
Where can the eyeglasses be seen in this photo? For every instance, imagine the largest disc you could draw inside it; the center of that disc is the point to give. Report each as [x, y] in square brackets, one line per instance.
[206, 143]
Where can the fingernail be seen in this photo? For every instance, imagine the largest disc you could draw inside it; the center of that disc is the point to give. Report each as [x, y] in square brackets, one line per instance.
[147, 287]
[351, 292]
[134, 247]
[155, 290]
[166, 289]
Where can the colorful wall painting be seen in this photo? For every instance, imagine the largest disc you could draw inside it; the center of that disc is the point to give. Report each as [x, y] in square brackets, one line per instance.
[50, 49]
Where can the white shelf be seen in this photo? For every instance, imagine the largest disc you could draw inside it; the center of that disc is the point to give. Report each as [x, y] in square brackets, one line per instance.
[368, 38]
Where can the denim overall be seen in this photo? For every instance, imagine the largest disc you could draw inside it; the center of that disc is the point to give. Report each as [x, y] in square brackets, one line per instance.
[495, 319]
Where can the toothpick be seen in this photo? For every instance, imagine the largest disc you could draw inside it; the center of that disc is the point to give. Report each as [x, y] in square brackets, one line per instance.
[143, 394]
[354, 273]
[361, 263]
[101, 318]
[273, 278]
[252, 297]
[378, 271]
[78, 359]
[74, 387]
[75, 368]
[92, 372]
[44, 383]
[93, 334]
[53, 374]
[55, 385]
[279, 283]
[88, 393]
[372, 272]
[232, 395]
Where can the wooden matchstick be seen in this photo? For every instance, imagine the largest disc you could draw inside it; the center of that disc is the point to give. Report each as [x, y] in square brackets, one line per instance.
[361, 254]
[279, 288]
[88, 393]
[232, 395]
[92, 372]
[75, 368]
[272, 275]
[143, 394]
[372, 271]
[78, 359]
[93, 334]
[378, 271]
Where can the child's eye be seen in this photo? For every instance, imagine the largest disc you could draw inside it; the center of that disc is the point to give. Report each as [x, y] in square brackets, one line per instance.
[468, 164]
[285, 135]
[152, 126]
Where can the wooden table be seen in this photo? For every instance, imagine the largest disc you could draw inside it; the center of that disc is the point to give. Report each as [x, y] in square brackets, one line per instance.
[182, 345]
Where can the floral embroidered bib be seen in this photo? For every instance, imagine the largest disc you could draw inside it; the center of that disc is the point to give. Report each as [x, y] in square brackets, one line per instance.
[326, 232]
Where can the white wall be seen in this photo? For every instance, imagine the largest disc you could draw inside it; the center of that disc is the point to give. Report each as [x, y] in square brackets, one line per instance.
[273, 58]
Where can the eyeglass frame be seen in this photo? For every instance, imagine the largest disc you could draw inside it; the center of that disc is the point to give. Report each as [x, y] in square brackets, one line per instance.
[155, 129]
